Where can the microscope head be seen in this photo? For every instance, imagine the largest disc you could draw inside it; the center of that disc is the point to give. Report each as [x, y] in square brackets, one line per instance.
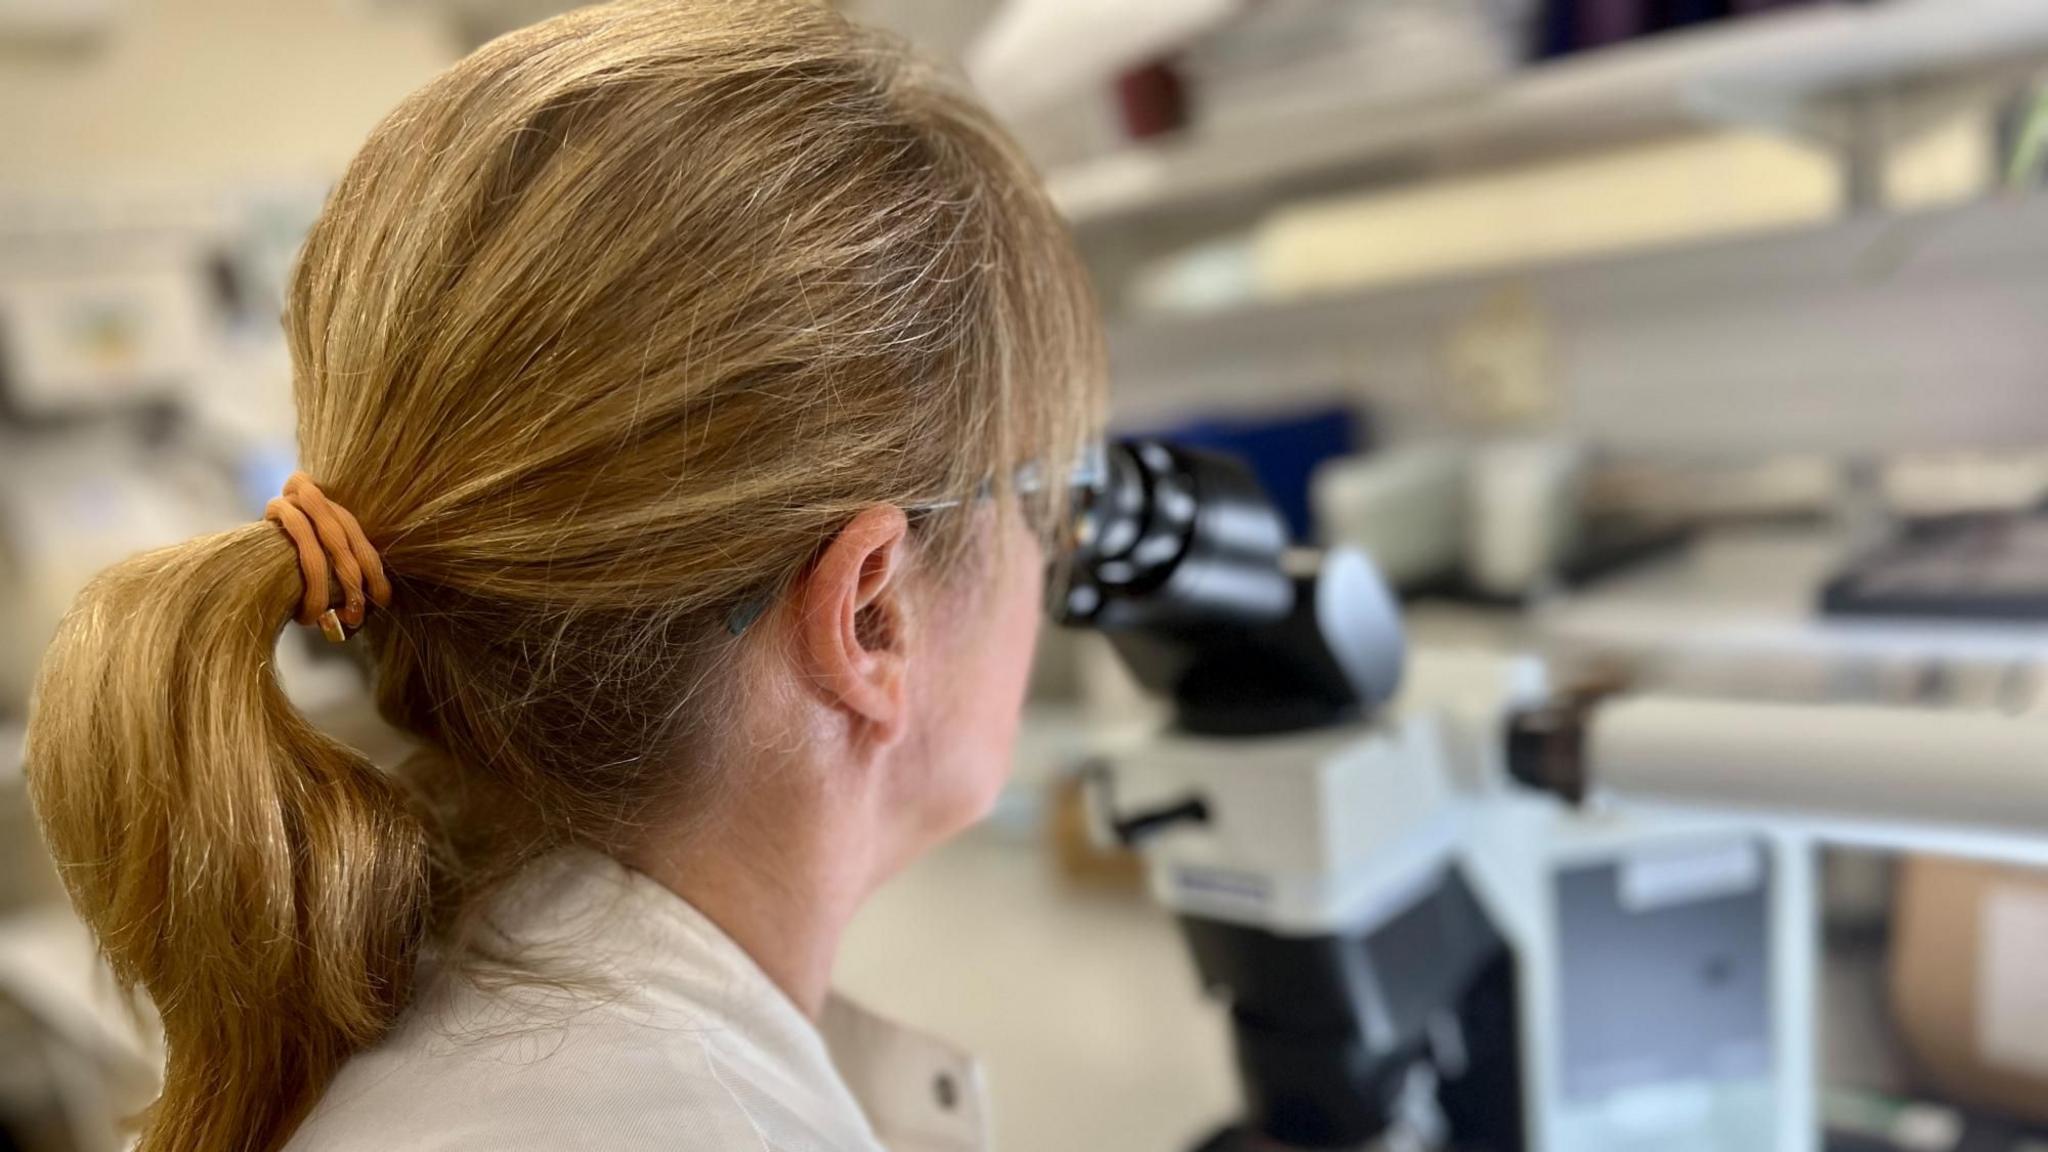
[1185, 565]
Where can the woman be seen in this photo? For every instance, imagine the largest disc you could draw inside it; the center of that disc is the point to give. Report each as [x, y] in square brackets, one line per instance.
[664, 375]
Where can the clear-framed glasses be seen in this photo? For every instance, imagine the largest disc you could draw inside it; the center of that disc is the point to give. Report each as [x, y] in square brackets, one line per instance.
[1084, 477]
[1088, 472]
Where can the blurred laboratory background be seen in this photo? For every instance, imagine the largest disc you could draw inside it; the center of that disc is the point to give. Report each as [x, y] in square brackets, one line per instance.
[1692, 345]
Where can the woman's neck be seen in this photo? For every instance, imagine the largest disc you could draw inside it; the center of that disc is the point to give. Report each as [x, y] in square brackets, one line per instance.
[783, 889]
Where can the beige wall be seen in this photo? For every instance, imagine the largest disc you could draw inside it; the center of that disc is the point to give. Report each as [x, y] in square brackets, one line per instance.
[185, 95]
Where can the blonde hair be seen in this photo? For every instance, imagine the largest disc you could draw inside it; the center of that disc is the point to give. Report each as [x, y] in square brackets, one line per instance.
[601, 335]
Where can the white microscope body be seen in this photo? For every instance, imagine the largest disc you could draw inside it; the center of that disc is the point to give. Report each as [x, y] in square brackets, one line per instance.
[1334, 835]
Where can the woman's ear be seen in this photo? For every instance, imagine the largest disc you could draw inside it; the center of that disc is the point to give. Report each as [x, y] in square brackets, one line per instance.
[852, 622]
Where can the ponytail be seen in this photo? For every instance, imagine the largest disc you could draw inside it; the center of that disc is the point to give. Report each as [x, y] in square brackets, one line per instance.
[265, 886]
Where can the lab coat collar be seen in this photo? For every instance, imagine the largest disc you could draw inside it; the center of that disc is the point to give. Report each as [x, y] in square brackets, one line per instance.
[908, 1091]
[921, 1093]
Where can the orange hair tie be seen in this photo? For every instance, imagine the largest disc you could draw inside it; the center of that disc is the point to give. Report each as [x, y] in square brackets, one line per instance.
[329, 541]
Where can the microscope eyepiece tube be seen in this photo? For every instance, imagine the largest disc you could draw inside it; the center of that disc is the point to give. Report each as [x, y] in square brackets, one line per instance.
[1185, 563]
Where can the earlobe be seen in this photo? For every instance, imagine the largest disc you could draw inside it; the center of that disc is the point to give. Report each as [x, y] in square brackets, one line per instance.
[853, 622]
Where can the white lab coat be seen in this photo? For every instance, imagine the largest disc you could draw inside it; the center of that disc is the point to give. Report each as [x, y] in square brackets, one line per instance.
[661, 1034]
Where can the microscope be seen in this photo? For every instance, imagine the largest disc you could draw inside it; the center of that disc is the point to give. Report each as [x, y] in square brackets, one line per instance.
[1487, 915]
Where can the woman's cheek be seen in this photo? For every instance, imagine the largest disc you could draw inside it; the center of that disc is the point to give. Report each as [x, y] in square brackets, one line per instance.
[998, 666]
[1019, 621]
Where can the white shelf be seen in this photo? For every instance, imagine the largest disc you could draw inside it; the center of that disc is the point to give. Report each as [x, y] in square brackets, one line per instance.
[1878, 333]
[1755, 71]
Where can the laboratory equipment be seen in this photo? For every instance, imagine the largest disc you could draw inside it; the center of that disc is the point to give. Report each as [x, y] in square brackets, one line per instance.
[1430, 924]
[1990, 567]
